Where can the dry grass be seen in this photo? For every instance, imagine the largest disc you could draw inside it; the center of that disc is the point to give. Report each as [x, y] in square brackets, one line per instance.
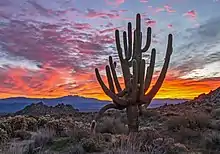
[112, 126]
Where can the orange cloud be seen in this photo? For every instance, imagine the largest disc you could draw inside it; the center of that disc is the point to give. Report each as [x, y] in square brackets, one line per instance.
[50, 83]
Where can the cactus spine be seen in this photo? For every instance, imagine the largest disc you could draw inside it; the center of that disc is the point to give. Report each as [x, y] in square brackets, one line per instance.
[137, 83]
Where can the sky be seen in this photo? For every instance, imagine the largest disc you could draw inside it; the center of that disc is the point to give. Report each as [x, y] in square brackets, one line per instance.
[50, 48]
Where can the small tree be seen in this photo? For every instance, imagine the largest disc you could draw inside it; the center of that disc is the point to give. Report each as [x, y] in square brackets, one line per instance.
[136, 91]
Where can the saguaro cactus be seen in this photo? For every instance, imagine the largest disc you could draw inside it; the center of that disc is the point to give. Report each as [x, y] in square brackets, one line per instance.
[136, 91]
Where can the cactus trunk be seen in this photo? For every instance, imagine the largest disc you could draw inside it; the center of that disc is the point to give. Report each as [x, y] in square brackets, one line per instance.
[132, 116]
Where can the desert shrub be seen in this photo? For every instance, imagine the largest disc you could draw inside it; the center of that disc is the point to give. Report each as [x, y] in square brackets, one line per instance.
[6, 127]
[76, 149]
[216, 113]
[187, 135]
[32, 124]
[43, 137]
[198, 120]
[17, 123]
[42, 121]
[150, 113]
[91, 145]
[111, 125]
[61, 127]
[212, 142]
[3, 136]
[22, 134]
[60, 144]
[175, 123]
[16, 149]
[190, 120]
[147, 141]
[215, 124]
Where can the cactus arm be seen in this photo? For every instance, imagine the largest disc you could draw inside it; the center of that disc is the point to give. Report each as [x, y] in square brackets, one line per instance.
[104, 109]
[138, 34]
[129, 41]
[150, 70]
[100, 114]
[122, 93]
[114, 74]
[159, 82]
[124, 62]
[109, 78]
[125, 43]
[108, 92]
[148, 41]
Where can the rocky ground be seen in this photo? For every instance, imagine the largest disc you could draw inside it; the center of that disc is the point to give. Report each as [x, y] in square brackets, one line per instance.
[191, 127]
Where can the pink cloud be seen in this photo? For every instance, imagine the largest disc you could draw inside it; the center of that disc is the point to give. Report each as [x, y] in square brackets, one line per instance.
[192, 14]
[114, 2]
[95, 14]
[170, 26]
[81, 26]
[159, 10]
[109, 30]
[165, 8]
[150, 22]
[169, 9]
[143, 1]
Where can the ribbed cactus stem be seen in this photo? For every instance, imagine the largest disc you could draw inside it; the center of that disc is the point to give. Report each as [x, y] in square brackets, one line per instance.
[129, 53]
[109, 78]
[108, 92]
[150, 70]
[148, 40]
[114, 74]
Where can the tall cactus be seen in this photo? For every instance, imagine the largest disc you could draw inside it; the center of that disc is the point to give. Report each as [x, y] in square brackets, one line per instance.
[136, 91]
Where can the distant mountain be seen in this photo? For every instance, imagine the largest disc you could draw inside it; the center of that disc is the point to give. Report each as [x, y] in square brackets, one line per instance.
[10, 105]
[14, 104]
[40, 109]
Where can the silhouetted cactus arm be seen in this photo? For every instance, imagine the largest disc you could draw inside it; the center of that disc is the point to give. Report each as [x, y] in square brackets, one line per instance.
[150, 70]
[162, 75]
[129, 53]
[124, 62]
[125, 43]
[148, 41]
[100, 114]
[122, 93]
[138, 35]
[114, 74]
[108, 92]
[104, 109]
[109, 78]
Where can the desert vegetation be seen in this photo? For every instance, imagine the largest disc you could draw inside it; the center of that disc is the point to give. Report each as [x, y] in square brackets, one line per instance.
[190, 127]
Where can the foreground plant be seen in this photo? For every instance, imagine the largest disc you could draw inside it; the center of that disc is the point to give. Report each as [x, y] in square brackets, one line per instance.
[136, 91]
